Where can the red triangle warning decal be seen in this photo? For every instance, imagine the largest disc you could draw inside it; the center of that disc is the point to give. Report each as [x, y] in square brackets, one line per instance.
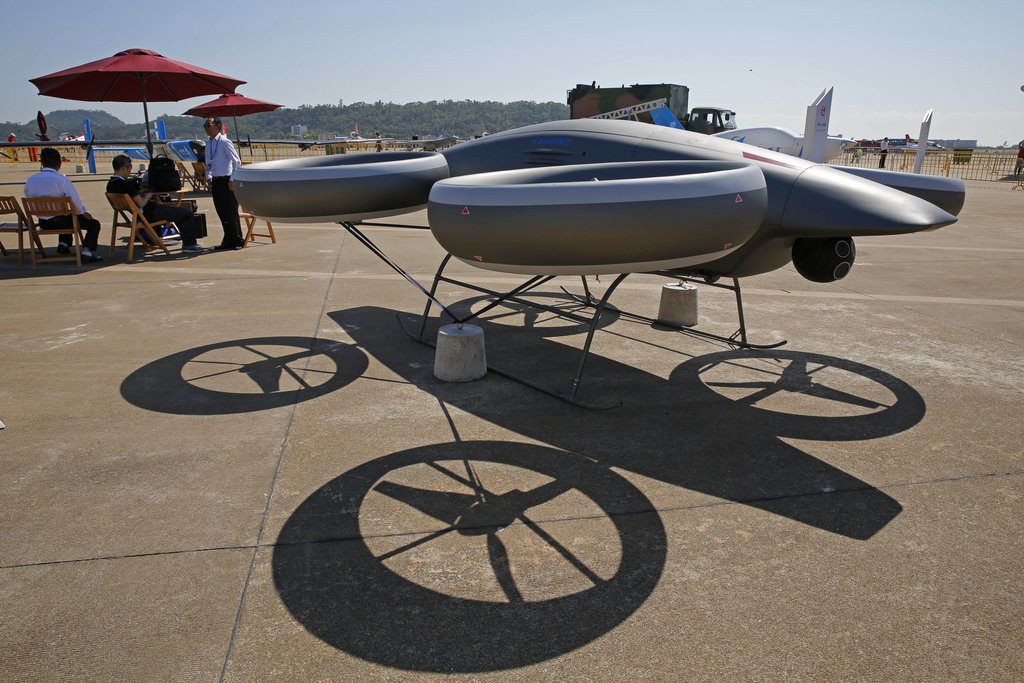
[465, 211]
[739, 200]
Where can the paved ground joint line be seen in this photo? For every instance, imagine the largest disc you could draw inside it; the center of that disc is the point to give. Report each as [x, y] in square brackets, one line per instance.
[551, 520]
[945, 321]
[277, 472]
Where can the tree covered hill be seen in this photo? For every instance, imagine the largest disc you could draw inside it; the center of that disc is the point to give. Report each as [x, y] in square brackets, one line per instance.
[464, 118]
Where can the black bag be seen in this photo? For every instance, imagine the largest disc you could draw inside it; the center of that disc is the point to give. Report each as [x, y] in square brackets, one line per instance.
[163, 176]
[199, 221]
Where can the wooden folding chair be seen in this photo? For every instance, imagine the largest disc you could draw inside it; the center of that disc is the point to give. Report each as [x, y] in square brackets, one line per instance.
[127, 214]
[50, 207]
[187, 175]
[199, 173]
[9, 207]
[250, 223]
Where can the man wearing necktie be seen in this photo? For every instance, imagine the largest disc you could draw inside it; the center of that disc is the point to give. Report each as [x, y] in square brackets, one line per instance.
[221, 161]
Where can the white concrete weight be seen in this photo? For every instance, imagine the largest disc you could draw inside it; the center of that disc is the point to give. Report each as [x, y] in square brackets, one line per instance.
[460, 355]
[678, 304]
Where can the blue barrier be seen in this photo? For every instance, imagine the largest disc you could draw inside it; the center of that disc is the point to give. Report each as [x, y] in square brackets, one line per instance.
[89, 157]
[182, 150]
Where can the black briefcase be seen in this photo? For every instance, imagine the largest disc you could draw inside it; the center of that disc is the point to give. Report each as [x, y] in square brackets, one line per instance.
[199, 220]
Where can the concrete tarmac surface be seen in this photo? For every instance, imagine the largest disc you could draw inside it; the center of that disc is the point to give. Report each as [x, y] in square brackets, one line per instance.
[236, 466]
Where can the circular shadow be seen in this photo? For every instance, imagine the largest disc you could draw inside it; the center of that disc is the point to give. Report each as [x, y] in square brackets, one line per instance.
[243, 375]
[805, 395]
[523, 317]
[501, 570]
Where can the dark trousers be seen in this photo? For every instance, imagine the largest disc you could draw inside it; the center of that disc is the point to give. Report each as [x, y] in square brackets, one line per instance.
[90, 226]
[180, 216]
[227, 210]
[881, 161]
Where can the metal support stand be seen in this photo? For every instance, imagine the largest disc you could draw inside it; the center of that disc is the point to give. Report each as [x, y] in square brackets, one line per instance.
[514, 295]
[376, 251]
[737, 339]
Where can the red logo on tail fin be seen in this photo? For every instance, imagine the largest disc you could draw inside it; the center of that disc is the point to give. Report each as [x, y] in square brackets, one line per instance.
[465, 211]
[739, 200]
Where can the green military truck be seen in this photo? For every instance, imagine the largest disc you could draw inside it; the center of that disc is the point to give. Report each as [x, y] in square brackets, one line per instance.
[635, 101]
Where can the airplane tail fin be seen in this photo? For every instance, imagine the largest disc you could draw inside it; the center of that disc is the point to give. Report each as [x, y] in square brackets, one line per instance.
[663, 116]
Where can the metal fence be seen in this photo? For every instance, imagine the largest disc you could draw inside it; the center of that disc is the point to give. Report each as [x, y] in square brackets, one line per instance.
[249, 153]
[967, 164]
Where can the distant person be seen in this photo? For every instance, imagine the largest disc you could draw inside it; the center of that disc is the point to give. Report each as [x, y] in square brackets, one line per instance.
[885, 152]
[11, 137]
[122, 183]
[221, 162]
[1020, 158]
[50, 183]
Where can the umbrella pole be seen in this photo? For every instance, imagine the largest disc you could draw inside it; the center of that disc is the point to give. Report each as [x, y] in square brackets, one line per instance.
[145, 114]
[235, 117]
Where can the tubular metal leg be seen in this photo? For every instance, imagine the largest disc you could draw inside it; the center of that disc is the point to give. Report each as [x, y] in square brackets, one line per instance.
[590, 334]
[368, 243]
[433, 291]
[742, 332]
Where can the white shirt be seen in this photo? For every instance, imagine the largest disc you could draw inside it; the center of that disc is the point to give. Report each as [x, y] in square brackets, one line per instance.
[221, 157]
[50, 183]
[885, 145]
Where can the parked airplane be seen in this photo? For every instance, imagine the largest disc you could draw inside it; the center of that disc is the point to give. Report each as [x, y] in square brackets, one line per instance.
[910, 143]
[782, 140]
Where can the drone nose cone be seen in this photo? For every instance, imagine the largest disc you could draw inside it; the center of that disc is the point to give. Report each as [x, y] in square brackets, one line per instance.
[826, 202]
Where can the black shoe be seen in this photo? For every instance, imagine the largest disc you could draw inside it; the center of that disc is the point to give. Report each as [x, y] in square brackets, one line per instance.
[63, 248]
[227, 247]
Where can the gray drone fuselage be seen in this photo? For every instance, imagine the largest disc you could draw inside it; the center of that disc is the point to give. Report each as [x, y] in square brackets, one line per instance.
[806, 200]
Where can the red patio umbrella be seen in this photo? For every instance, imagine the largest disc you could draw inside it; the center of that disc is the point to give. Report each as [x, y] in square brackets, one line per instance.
[135, 76]
[233, 105]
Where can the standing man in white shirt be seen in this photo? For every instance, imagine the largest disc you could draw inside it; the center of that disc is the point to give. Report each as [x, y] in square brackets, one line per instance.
[221, 162]
[885, 151]
[50, 183]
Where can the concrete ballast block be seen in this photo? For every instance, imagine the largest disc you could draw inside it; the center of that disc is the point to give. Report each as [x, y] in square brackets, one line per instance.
[460, 355]
[678, 304]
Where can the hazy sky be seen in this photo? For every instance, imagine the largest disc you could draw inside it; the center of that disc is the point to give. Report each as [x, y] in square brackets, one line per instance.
[888, 61]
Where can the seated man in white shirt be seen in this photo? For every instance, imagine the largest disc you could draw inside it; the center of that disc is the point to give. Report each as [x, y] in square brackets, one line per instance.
[50, 183]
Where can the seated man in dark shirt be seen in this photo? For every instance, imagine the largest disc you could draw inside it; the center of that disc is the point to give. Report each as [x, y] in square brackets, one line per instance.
[122, 183]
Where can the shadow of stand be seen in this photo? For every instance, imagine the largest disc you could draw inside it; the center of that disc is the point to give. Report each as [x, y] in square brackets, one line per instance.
[713, 426]
[682, 431]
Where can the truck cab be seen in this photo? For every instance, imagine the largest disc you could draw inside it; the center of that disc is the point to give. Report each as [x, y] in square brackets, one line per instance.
[710, 120]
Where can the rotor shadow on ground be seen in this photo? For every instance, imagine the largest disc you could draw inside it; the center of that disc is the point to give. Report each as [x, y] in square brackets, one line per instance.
[365, 592]
[243, 375]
